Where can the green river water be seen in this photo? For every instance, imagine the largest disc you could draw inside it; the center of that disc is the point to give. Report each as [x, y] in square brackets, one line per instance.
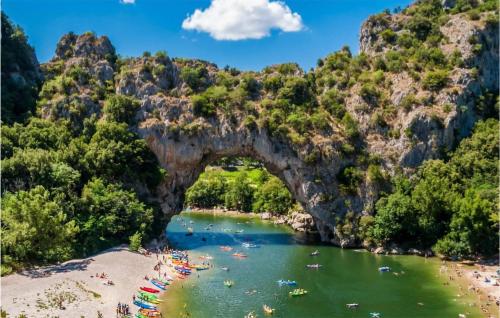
[346, 276]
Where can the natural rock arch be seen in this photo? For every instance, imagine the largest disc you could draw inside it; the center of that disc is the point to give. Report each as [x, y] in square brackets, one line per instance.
[185, 158]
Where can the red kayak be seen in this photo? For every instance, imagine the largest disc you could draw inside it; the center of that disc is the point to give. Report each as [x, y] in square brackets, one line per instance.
[149, 290]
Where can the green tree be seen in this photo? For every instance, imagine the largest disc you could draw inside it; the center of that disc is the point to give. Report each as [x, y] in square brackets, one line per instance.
[110, 215]
[207, 192]
[273, 196]
[239, 194]
[35, 228]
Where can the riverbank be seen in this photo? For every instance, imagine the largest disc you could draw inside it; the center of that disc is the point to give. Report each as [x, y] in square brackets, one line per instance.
[480, 281]
[72, 289]
[298, 221]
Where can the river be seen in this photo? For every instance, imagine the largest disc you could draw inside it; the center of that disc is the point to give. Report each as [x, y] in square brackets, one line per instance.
[413, 288]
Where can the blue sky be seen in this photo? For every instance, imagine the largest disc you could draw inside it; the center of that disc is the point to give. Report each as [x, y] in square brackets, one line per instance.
[300, 30]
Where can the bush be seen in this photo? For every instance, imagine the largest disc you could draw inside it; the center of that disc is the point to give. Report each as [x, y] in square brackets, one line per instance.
[296, 90]
[369, 93]
[195, 78]
[333, 101]
[202, 106]
[420, 26]
[389, 36]
[121, 108]
[349, 179]
[350, 126]
[135, 242]
[435, 80]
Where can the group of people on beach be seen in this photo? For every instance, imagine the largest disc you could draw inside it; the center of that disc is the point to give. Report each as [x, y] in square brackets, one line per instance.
[122, 310]
[457, 271]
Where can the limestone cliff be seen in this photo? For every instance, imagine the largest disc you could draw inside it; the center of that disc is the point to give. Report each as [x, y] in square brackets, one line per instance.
[333, 135]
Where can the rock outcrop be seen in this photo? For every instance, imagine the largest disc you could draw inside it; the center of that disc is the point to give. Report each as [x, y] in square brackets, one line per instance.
[185, 142]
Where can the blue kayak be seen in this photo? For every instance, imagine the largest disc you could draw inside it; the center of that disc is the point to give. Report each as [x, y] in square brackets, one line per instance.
[282, 282]
[157, 284]
[144, 305]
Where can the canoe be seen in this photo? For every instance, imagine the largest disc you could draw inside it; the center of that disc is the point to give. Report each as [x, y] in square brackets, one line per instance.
[384, 269]
[144, 305]
[228, 283]
[149, 290]
[157, 284]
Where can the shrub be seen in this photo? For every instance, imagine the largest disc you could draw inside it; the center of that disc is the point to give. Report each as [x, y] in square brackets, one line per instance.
[350, 126]
[420, 26]
[135, 242]
[333, 101]
[250, 122]
[202, 106]
[389, 35]
[349, 179]
[195, 78]
[296, 90]
[408, 102]
[120, 108]
[435, 80]
[369, 93]
[273, 83]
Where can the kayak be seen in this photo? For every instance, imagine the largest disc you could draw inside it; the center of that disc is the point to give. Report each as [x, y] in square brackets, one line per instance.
[146, 294]
[149, 290]
[149, 313]
[144, 305]
[282, 282]
[148, 299]
[157, 284]
[297, 292]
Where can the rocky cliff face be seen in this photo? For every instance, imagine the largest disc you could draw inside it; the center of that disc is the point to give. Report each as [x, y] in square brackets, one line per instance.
[397, 137]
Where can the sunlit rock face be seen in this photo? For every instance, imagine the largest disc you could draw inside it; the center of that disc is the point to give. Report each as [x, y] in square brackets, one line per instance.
[185, 142]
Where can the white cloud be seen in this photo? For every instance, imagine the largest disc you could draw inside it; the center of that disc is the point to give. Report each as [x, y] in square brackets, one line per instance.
[127, 1]
[243, 19]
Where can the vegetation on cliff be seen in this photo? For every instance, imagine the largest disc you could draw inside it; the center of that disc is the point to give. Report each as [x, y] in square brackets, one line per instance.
[450, 205]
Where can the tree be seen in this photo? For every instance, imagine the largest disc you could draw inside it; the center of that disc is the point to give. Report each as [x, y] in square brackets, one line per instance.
[207, 192]
[239, 195]
[20, 74]
[35, 227]
[109, 215]
[473, 229]
[273, 196]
